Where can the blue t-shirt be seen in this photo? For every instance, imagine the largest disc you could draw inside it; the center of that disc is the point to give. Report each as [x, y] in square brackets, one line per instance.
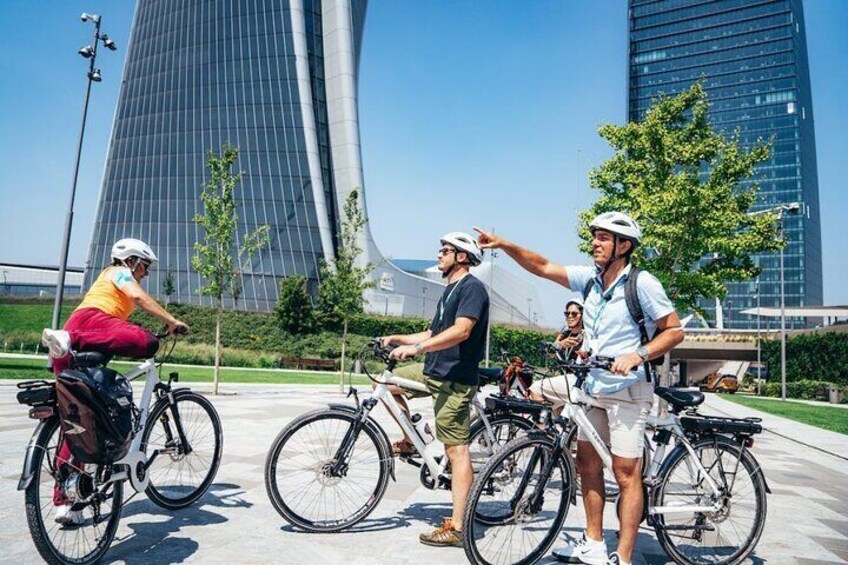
[610, 329]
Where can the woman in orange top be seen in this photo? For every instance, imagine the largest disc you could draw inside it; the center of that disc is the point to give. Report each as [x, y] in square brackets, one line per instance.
[100, 324]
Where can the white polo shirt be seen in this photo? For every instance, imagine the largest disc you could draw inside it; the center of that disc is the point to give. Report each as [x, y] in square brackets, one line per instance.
[610, 329]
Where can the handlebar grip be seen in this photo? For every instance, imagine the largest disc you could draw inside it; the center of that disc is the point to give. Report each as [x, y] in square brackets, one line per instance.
[181, 330]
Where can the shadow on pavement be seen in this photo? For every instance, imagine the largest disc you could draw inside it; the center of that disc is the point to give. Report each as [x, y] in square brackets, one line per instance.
[431, 513]
[152, 540]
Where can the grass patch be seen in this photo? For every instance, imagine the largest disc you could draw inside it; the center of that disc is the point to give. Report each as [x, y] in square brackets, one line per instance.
[825, 417]
[25, 369]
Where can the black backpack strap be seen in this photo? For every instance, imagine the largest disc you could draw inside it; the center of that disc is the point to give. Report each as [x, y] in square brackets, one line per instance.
[631, 297]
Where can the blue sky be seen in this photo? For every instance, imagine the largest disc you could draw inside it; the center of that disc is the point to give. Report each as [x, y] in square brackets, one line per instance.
[471, 113]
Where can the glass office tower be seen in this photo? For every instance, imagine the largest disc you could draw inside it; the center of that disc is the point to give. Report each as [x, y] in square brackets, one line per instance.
[751, 56]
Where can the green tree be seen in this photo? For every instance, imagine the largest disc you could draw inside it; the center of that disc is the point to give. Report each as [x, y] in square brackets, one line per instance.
[294, 310]
[216, 252]
[168, 286]
[343, 281]
[691, 190]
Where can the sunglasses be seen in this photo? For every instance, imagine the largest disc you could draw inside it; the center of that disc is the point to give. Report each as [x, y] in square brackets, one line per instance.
[571, 314]
[446, 251]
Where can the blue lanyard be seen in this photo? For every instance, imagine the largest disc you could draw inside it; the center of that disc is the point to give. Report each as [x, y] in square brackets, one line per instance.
[596, 319]
[445, 300]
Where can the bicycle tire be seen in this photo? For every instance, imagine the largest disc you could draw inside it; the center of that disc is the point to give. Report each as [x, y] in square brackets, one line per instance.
[499, 474]
[375, 454]
[753, 480]
[505, 428]
[37, 501]
[175, 481]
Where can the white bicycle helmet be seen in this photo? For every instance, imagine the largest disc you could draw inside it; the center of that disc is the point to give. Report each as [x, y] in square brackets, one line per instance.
[576, 301]
[618, 224]
[464, 242]
[129, 247]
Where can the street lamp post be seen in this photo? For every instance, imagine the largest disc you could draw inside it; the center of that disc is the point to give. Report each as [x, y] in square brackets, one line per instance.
[759, 341]
[88, 52]
[792, 209]
[494, 255]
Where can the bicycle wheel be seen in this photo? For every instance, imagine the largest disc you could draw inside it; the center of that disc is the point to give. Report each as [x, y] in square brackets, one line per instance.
[507, 487]
[180, 474]
[724, 537]
[98, 502]
[505, 427]
[314, 491]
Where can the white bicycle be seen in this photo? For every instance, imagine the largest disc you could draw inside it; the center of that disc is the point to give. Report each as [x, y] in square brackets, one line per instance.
[706, 499]
[173, 457]
[329, 468]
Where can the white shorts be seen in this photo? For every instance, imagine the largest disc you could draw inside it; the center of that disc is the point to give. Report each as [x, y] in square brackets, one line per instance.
[554, 389]
[620, 418]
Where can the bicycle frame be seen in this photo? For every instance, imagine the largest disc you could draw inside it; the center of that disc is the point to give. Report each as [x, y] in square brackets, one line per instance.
[381, 393]
[577, 414]
[136, 461]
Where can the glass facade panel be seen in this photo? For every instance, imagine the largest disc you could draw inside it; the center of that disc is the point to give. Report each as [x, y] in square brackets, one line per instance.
[751, 57]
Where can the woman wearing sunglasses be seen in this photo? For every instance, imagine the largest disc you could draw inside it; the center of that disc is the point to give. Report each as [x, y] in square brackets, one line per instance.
[570, 338]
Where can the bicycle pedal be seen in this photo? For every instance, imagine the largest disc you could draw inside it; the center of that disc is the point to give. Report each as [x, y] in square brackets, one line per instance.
[409, 459]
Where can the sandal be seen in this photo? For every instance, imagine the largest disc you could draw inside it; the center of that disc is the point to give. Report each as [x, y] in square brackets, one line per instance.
[404, 448]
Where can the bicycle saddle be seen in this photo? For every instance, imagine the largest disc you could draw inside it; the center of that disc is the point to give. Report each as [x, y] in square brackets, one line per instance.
[86, 359]
[489, 376]
[679, 398]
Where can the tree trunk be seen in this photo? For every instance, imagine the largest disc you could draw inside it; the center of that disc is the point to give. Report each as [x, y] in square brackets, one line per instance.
[342, 367]
[218, 314]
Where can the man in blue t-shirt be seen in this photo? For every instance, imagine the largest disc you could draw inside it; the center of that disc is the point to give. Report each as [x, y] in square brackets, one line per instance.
[620, 398]
[453, 345]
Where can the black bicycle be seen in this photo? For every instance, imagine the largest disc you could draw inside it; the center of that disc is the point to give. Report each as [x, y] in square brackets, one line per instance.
[706, 500]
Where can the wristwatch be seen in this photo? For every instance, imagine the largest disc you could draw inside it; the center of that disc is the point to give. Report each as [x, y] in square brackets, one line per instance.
[418, 347]
[642, 352]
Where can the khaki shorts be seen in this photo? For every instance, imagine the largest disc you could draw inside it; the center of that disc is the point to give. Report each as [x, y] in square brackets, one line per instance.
[451, 403]
[554, 389]
[620, 418]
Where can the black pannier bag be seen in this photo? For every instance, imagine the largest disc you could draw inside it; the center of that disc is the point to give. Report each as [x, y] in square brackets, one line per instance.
[96, 411]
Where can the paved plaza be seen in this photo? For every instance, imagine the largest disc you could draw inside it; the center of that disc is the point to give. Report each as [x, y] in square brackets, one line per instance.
[235, 523]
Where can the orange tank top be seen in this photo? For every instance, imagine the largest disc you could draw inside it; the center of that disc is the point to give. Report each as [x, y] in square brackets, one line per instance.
[105, 294]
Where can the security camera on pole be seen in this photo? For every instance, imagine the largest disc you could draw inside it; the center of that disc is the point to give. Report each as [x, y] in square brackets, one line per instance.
[88, 52]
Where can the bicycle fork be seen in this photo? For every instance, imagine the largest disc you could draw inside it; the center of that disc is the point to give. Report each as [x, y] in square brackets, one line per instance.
[339, 465]
[520, 504]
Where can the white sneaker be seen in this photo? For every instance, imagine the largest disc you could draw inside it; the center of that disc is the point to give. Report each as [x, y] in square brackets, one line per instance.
[68, 517]
[615, 559]
[58, 342]
[585, 550]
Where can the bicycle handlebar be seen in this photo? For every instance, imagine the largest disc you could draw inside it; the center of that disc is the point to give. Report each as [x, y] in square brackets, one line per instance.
[178, 331]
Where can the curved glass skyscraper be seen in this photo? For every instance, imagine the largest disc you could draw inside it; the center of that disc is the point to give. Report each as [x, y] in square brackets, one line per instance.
[275, 78]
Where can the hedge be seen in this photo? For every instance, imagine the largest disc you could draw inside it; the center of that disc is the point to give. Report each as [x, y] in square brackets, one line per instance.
[804, 390]
[818, 357]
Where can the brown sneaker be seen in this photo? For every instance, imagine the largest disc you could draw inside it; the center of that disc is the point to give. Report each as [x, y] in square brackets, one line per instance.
[443, 536]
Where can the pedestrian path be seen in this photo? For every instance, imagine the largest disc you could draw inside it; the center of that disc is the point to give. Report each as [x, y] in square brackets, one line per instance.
[807, 518]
